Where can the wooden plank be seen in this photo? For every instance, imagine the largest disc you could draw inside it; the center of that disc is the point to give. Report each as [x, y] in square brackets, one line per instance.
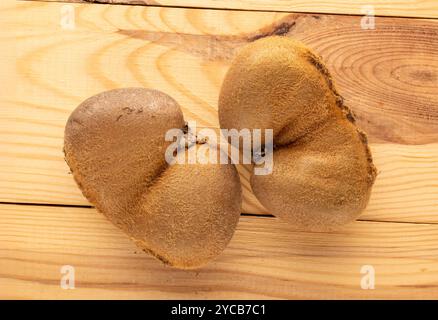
[263, 260]
[402, 8]
[35, 172]
[388, 76]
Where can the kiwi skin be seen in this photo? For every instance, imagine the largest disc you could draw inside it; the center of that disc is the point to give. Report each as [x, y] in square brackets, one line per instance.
[322, 167]
[182, 214]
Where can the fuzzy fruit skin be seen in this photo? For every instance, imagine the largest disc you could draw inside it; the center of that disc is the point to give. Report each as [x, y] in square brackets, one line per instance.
[322, 167]
[193, 211]
[115, 146]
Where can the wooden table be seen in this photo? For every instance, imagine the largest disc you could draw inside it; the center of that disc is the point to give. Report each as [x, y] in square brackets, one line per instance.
[388, 76]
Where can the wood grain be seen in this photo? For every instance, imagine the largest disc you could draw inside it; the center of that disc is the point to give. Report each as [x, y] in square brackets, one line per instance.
[263, 260]
[402, 8]
[388, 76]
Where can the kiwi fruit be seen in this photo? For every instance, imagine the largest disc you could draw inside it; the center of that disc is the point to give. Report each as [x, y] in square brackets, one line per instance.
[322, 171]
[183, 214]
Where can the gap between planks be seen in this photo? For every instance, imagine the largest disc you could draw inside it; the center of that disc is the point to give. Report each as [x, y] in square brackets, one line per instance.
[337, 7]
[263, 260]
[243, 214]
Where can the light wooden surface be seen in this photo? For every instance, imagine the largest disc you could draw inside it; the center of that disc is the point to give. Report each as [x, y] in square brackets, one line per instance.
[388, 76]
[389, 80]
[263, 260]
[401, 8]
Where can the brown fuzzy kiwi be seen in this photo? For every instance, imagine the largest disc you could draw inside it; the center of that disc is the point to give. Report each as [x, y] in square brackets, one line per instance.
[322, 167]
[183, 214]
